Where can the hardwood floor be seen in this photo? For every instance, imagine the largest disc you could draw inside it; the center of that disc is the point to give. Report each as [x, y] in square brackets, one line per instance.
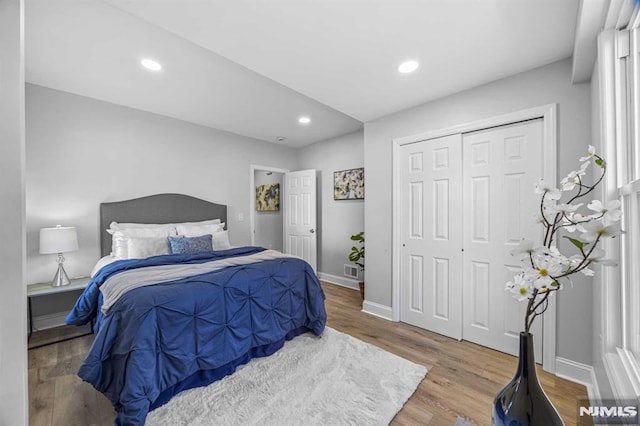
[462, 378]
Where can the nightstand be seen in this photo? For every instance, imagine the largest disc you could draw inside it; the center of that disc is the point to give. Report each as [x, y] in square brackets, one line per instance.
[43, 289]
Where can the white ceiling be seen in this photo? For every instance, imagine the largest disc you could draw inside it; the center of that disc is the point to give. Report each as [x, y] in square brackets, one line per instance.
[253, 67]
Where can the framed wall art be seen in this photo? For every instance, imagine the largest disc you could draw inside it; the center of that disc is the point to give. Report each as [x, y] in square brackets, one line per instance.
[348, 184]
[268, 197]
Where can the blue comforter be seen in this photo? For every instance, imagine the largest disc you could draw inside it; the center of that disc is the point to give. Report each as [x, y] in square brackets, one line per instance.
[164, 338]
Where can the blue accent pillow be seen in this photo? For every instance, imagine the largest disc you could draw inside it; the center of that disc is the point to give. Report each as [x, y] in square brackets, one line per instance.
[182, 245]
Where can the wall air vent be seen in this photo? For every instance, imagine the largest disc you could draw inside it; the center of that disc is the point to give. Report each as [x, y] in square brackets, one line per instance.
[351, 271]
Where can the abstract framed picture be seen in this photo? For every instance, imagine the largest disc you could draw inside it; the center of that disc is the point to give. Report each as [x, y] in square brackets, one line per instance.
[268, 197]
[348, 184]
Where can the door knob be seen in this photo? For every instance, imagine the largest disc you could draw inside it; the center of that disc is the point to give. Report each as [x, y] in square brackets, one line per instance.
[312, 230]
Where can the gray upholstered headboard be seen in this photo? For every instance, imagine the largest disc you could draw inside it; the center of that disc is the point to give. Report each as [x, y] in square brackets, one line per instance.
[161, 208]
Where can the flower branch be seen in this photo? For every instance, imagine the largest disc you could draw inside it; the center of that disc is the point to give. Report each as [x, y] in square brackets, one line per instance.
[544, 268]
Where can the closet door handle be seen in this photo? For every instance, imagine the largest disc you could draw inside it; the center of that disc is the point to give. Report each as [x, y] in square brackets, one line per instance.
[312, 230]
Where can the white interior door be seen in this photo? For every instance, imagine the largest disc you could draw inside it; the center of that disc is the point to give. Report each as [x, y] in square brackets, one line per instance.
[431, 258]
[500, 166]
[300, 216]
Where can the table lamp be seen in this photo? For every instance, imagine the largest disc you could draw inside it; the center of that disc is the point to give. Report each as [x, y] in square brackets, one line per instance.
[60, 239]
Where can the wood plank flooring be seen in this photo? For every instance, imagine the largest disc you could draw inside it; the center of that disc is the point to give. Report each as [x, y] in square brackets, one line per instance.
[462, 378]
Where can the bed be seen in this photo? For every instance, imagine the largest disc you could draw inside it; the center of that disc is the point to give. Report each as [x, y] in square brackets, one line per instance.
[171, 322]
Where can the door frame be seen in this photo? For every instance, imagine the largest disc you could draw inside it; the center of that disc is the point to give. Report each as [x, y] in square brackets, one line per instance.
[549, 114]
[252, 195]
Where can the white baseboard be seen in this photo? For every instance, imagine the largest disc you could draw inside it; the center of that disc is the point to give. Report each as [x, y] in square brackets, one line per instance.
[341, 281]
[621, 384]
[377, 310]
[593, 390]
[579, 373]
[43, 322]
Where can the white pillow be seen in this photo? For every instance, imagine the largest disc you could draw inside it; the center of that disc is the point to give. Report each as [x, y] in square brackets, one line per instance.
[120, 226]
[196, 230]
[119, 239]
[202, 222]
[115, 226]
[141, 248]
[220, 240]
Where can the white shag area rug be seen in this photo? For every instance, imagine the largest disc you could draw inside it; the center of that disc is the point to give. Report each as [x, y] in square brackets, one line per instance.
[333, 380]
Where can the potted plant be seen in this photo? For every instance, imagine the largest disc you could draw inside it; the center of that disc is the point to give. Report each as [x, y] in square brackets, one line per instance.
[357, 256]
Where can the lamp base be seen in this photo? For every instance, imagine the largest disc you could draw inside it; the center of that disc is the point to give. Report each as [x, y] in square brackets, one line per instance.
[61, 278]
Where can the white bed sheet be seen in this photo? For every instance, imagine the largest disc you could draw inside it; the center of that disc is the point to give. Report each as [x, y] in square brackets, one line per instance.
[102, 263]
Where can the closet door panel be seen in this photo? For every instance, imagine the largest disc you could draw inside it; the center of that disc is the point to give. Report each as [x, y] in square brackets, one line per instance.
[430, 258]
[500, 166]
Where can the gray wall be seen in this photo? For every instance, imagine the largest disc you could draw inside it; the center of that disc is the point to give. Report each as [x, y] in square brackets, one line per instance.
[81, 152]
[338, 220]
[269, 225]
[541, 86]
[13, 327]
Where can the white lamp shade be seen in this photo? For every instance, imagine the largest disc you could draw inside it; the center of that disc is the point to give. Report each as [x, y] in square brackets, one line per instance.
[60, 239]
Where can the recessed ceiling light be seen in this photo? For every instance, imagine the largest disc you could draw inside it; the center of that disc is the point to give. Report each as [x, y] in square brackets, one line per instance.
[407, 67]
[151, 65]
[304, 120]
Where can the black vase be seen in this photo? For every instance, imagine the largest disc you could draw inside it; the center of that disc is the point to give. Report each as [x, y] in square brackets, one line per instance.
[522, 402]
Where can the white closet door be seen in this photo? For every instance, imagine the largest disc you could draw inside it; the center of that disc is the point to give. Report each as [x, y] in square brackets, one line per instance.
[500, 166]
[431, 258]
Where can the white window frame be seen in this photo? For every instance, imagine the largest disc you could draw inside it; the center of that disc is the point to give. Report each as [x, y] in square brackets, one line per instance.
[629, 195]
[619, 67]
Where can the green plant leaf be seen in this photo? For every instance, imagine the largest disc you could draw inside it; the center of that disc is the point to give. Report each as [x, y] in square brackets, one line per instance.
[358, 237]
[357, 253]
[600, 162]
[576, 243]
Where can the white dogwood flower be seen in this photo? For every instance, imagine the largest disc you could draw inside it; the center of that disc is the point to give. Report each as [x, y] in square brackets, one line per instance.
[566, 208]
[568, 183]
[588, 272]
[597, 228]
[560, 259]
[590, 153]
[525, 248]
[573, 178]
[542, 187]
[610, 212]
[582, 170]
[543, 272]
[597, 256]
[520, 288]
[573, 222]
